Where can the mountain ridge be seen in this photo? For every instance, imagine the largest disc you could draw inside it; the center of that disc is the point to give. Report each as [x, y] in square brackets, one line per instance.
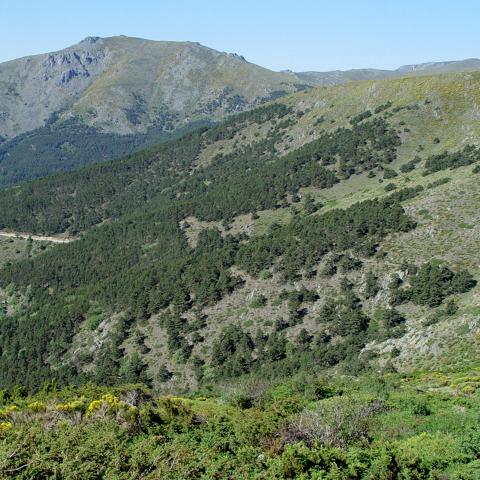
[105, 98]
[97, 65]
[426, 68]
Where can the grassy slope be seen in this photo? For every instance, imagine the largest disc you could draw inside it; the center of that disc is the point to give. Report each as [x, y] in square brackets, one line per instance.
[13, 249]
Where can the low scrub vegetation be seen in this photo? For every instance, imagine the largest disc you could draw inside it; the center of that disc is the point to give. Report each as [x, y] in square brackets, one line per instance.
[422, 426]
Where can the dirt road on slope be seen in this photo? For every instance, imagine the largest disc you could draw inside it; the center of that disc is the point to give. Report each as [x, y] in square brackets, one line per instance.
[40, 238]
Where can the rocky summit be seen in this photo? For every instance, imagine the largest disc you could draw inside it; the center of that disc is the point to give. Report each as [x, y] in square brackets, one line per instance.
[124, 85]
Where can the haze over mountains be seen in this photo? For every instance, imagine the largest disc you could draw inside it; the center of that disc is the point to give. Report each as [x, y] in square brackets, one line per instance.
[430, 68]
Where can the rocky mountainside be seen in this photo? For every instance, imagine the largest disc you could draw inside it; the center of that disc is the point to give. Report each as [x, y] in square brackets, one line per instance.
[429, 68]
[124, 85]
[34, 88]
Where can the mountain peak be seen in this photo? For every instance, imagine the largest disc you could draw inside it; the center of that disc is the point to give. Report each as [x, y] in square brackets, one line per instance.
[90, 40]
[126, 85]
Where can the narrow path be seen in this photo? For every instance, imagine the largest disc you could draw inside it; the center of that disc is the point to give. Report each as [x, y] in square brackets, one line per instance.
[42, 238]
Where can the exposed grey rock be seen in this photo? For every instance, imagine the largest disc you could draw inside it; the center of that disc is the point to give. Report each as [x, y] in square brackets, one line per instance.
[32, 88]
[124, 85]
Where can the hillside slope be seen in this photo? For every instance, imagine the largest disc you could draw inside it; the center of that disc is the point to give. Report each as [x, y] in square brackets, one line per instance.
[332, 230]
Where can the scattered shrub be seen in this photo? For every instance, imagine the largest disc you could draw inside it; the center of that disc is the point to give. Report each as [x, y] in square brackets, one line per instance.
[389, 173]
[258, 302]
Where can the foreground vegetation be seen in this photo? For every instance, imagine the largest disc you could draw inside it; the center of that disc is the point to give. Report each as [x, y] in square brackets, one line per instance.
[419, 426]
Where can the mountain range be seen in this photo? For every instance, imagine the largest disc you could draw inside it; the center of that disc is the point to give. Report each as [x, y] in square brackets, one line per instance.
[104, 98]
[125, 85]
[430, 68]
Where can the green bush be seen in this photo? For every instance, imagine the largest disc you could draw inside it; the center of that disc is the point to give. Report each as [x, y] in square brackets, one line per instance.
[389, 173]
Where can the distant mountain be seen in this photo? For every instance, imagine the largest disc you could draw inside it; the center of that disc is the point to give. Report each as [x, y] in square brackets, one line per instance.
[108, 97]
[124, 85]
[430, 68]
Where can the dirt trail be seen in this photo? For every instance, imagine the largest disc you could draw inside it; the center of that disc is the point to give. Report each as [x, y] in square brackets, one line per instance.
[43, 238]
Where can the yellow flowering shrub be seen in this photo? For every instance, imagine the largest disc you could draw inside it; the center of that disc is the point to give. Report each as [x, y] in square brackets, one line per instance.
[111, 401]
[73, 406]
[5, 426]
[37, 407]
[4, 413]
[458, 381]
[93, 406]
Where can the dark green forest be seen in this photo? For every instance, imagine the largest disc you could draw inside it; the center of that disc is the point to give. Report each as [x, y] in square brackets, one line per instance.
[68, 145]
[253, 177]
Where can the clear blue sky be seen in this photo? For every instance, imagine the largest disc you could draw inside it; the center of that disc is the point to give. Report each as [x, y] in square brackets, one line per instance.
[280, 34]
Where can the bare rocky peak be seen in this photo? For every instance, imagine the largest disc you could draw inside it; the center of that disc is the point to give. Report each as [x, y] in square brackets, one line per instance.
[124, 85]
[32, 88]
[82, 61]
